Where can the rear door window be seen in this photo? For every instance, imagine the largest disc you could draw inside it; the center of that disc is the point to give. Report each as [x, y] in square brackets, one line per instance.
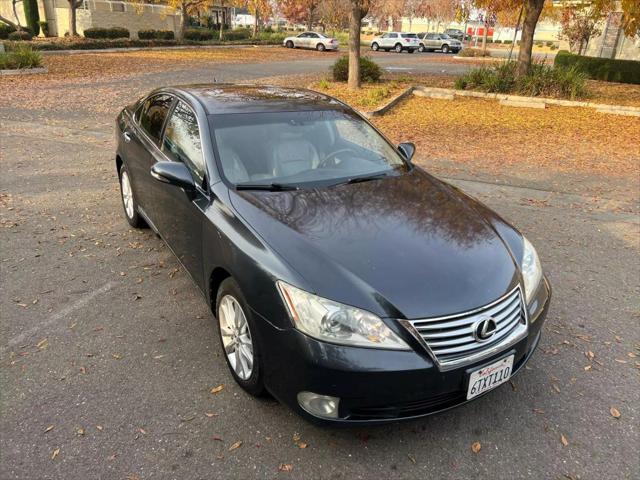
[154, 113]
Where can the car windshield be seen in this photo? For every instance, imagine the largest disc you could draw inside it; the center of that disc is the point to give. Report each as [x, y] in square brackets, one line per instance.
[444, 36]
[305, 148]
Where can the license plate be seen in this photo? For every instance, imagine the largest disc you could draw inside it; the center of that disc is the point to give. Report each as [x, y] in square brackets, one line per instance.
[489, 377]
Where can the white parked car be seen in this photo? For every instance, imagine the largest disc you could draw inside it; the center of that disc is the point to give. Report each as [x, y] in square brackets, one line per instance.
[314, 40]
[397, 42]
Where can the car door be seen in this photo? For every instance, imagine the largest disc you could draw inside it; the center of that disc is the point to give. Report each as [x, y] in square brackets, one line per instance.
[302, 40]
[392, 39]
[181, 213]
[312, 40]
[141, 140]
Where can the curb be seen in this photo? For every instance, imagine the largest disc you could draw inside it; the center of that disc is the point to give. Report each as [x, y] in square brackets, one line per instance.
[390, 104]
[137, 49]
[506, 100]
[23, 71]
[481, 59]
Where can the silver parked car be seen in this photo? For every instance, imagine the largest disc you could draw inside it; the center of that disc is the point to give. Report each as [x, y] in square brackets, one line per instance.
[314, 40]
[439, 41]
[396, 41]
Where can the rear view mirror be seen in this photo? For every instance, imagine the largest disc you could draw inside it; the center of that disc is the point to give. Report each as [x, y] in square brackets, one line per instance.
[173, 173]
[407, 149]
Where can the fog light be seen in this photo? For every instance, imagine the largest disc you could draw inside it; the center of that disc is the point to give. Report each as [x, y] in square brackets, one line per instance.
[322, 406]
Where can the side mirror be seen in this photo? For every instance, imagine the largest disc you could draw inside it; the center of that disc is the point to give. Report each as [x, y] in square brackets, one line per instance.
[407, 149]
[173, 173]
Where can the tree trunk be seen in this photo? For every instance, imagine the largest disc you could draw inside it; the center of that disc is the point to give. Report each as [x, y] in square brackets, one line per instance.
[73, 31]
[255, 24]
[531, 13]
[355, 17]
[310, 19]
[184, 22]
[485, 33]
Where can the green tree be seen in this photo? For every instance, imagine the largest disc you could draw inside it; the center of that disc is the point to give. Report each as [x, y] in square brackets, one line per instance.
[32, 16]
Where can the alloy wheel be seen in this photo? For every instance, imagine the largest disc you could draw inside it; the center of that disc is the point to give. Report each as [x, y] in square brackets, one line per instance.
[127, 194]
[236, 336]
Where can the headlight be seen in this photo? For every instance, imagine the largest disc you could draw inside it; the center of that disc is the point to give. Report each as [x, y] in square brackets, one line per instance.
[337, 323]
[531, 269]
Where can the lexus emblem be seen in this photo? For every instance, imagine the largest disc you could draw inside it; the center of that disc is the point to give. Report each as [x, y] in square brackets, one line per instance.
[484, 329]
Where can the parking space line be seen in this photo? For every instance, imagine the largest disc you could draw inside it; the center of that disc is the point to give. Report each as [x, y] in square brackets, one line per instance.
[81, 302]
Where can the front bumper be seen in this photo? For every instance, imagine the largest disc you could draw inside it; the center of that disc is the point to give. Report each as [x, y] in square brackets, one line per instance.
[377, 386]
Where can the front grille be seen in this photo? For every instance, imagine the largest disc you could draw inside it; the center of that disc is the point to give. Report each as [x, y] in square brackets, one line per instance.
[451, 339]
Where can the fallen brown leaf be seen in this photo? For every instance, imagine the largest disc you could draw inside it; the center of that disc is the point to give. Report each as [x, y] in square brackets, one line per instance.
[411, 458]
[475, 447]
[285, 467]
[615, 413]
[235, 445]
[218, 389]
[55, 453]
[48, 429]
[564, 440]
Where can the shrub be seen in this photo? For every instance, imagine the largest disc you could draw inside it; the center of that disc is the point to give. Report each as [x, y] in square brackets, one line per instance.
[370, 71]
[31, 15]
[156, 35]
[324, 84]
[5, 30]
[507, 42]
[473, 52]
[241, 34]
[101, 33]
[44, 27]
[542, 80]
[20, 35]
[22, 57]
[497, 41]
[609, 70]
[198, 34]
[550, 44]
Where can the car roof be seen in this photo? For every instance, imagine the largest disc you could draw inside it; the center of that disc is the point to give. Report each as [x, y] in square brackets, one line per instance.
[238, 98]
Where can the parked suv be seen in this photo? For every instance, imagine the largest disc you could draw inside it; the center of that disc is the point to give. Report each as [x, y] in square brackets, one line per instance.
[439, 41]
[455, 33]
[397, 42]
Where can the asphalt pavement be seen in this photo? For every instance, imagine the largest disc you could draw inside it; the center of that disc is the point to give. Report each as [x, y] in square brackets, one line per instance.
[108, 354]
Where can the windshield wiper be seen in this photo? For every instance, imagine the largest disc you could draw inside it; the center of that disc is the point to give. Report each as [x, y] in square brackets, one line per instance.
[271, 187]
[365, 178]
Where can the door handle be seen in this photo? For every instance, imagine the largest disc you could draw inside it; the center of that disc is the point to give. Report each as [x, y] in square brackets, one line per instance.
[126, 136]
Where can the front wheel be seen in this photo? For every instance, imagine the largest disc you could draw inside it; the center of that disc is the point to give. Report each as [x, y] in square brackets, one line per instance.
[289, 44]
[320, 47]
[129, 202]
[375, 47]
[237, 334]
[445, 49]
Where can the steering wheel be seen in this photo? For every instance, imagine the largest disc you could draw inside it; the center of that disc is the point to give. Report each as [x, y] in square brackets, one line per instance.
[331, 158]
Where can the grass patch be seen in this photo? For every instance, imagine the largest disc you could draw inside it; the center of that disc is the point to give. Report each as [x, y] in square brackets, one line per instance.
[542, 81]
[21, 57]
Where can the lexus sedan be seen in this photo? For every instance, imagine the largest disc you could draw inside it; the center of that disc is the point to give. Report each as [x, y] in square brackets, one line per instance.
[345, 280]
[313, 40]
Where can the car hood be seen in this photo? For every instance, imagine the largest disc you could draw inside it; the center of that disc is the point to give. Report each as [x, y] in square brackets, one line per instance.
[407, 246]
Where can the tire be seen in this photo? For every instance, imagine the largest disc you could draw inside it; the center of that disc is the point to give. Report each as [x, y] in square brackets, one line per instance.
[289, 44]
[398, 48]
[129, 203]
[421, 48]
[320, 47]
[455, 52]
[445, 48]
[249, 375]
[375, 47]
[410, 50]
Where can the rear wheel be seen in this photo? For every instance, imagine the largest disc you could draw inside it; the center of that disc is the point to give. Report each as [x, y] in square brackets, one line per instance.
[445, 48]
[375, 47]
[320, 47]
[421, 48]
[289, 44]
[398, 48]
[129, 201]
[237, 335]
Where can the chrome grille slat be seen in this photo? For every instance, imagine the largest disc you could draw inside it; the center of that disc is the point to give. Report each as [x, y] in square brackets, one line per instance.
[451, 339]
